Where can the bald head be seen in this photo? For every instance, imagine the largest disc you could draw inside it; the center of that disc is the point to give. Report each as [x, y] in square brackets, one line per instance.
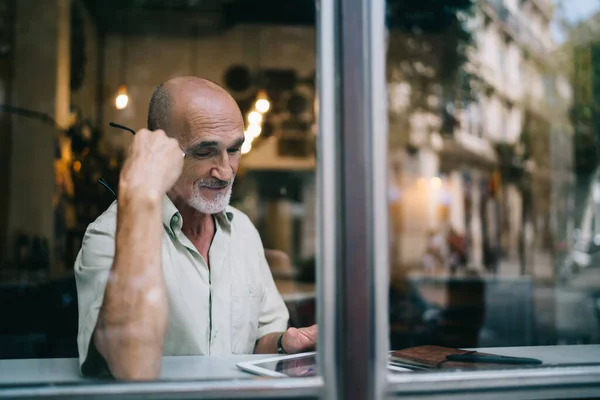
[180, 99]
[208, 124]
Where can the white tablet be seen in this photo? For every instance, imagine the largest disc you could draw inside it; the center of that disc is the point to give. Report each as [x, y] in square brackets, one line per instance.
[289, 366]
[292, 366]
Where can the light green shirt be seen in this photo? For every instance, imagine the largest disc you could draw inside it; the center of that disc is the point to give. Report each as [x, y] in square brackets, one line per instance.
[221, 310]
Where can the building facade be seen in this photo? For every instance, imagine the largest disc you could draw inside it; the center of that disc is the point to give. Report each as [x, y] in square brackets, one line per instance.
[486, 180]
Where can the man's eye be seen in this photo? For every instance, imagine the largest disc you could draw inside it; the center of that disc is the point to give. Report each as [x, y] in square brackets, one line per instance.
[234, 150]
[202, 154]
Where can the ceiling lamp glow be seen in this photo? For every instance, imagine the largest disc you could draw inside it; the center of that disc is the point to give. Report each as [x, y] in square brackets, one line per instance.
[255, 118]
[246, 147]
[262, 105]
[253, 131]
[262, 102]
[122, 99]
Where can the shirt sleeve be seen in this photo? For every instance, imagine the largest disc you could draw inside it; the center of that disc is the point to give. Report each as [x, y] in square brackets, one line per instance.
[274, 314]
[92, 267]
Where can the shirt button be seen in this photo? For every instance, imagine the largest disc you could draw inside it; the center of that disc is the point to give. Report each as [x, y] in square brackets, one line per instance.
[250, 290]
[176, 218]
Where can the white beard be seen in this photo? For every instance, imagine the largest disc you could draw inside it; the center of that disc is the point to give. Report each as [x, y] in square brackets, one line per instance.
[205, 206]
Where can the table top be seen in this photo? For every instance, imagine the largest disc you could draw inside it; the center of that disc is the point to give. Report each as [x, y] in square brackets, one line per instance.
[65, 370]
[574, 354]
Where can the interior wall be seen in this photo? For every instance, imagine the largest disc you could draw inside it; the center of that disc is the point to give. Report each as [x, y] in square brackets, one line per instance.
[86, 97]
[37, 78]
[41, 83]
[144, 62]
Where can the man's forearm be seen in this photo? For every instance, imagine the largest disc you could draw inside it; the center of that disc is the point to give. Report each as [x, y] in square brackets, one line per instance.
[267, 344]
[133, 318]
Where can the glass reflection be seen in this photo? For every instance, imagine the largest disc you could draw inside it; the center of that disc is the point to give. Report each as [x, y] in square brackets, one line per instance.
[493, 170]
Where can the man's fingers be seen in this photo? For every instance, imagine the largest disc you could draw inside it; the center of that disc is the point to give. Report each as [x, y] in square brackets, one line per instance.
[154, 162]
[296, 340]
[311, 331]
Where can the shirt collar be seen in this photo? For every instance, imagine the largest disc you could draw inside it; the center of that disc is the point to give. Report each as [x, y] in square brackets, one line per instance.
[171, 216]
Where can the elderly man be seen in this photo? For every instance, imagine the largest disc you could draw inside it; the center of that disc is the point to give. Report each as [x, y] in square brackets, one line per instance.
[170, 268]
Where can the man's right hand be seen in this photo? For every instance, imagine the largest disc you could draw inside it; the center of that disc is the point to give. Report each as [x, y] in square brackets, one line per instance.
[153, 165]
[133, 318]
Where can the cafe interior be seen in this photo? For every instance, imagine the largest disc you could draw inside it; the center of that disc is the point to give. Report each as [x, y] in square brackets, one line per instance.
[348, 206]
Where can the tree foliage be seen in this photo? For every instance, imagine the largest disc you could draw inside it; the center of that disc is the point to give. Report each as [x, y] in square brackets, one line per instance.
[579, 59]
[428, 49]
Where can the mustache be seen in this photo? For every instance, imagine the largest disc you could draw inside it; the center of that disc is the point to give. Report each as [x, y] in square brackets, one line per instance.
[214, 183]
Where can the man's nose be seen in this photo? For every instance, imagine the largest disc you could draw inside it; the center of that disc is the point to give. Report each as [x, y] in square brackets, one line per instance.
[222, 170]
[224, 173]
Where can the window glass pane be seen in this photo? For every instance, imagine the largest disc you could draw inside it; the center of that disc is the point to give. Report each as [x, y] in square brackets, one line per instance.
[494, 186]
[170, 269]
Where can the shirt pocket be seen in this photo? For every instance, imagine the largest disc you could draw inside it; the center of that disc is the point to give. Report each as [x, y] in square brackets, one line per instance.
[245, 313]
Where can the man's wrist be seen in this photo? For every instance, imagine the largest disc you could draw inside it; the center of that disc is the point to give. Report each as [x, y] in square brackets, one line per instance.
[280, 349]
[140, 199]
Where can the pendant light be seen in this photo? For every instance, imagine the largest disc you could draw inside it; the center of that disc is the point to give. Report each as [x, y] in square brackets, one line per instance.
[122, 99]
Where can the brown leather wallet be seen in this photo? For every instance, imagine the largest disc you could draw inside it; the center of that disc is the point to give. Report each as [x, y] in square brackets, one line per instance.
[434, 357]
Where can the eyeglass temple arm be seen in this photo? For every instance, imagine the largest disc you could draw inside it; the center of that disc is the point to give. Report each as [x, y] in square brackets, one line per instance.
[115, 125]
[101, 180]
